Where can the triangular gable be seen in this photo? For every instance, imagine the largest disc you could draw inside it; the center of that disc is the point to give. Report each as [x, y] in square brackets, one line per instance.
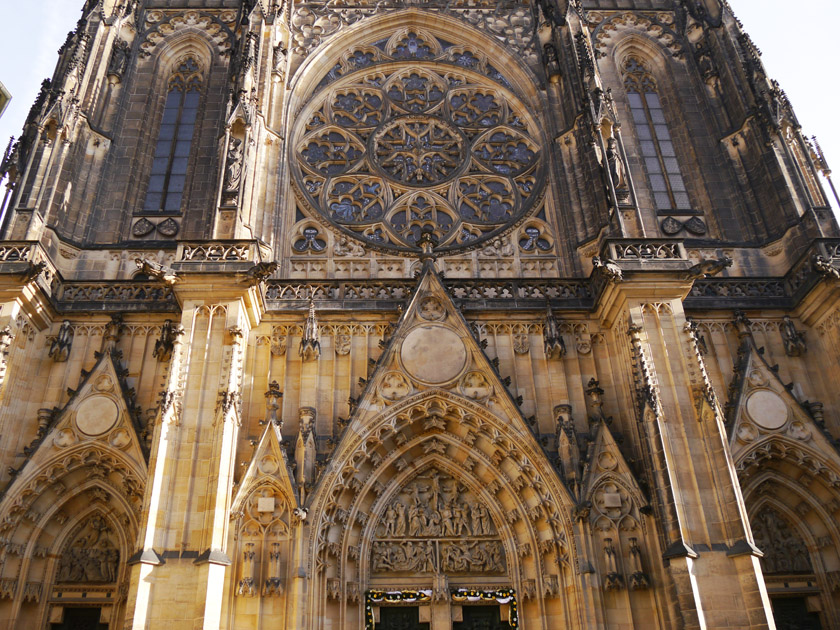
[101, 411]
[762, 409]
[269, 465]
[433, 347]
[604, 459]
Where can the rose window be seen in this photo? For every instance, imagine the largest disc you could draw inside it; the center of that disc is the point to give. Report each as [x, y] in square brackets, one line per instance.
[389, 148]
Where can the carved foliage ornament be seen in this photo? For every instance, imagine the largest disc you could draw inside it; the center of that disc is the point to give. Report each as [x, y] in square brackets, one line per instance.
[386, 154]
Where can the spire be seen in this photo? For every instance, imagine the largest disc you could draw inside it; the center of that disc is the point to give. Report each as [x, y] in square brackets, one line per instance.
[310, 345]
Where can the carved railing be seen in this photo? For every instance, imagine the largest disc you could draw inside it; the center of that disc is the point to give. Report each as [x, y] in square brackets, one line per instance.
[20, 251]
[570, 293]
[739, 288]
[636, 250]
[126, 296]
[218, 252]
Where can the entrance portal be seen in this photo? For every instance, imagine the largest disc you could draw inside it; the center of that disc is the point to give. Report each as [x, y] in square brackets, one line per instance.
[791, 613]
[81, 619]
[482, 618]
[400, 618]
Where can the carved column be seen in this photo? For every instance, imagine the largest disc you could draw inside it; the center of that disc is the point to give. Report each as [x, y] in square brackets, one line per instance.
[709, 549]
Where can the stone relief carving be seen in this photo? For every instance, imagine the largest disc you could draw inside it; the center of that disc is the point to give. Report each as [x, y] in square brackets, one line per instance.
[92, 556]
[436, 525]
[521, 344]
[476, 386]
[342, 344]
[432, 310]
[784, 550]
[394, 387]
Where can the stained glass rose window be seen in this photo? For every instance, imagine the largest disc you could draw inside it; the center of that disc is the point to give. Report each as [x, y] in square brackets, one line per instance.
[412, 134]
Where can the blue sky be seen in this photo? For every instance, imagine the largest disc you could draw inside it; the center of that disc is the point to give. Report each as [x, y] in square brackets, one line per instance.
[798, 49]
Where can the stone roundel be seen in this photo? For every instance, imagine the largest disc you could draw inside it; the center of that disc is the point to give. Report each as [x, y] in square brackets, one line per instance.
[433, 354]
[97, 415]
[767, 409]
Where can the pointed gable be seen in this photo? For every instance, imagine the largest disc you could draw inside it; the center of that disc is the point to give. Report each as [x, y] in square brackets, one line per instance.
[433, 348]
[762, 410]
[268, 466]
[101, 412]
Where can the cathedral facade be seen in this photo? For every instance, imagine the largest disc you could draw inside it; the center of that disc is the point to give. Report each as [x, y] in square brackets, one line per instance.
[417, 315]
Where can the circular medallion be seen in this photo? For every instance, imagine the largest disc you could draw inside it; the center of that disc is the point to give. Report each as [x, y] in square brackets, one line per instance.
[96, 415]
[767, 409]
[433, 354]
[418, 150]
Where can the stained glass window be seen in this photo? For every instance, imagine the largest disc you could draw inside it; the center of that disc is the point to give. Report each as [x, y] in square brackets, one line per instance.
[172, 151]
[657, 146]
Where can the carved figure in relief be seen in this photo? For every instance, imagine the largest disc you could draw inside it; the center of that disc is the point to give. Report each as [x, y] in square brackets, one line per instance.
[793, 339]
[165, 344]
[60, 347]
[345, 247]
[497, 248]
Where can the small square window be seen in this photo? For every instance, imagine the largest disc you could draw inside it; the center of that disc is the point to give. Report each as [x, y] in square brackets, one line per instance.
[173, 202]
[663, 201]
[152, 201]
[652, 165]
[648, 148]
[657, 183]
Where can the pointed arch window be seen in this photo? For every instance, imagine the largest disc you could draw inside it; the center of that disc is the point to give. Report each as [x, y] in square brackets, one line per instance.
[660, 160]
[172, 151]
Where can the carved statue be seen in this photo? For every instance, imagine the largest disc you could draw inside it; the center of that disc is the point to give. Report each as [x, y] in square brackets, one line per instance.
[157, 271]
[618, 173]
[708, 267]
[60, 347]
[278, 66]
[793, 339]
[233, 170]
[165, 344]
[118, 63]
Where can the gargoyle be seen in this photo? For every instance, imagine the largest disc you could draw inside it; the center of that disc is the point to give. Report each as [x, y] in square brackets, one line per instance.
[607, 268]
[157, 271]
[256, 274]
[824, 267]
[708, 267]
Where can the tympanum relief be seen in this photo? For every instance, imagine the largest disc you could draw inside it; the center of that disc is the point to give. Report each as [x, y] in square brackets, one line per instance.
[436, 525]
[92, 556]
